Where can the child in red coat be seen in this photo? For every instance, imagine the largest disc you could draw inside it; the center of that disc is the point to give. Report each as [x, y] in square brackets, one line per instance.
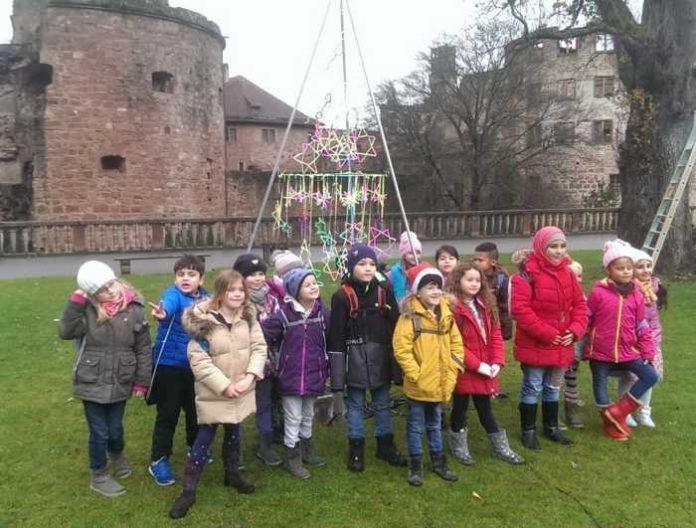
[477, 318]
[551, 314]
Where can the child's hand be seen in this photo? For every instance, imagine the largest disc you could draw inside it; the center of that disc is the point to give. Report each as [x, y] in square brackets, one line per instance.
[79, 297]
[564, 339]
[495, 370]
[157, 311]
[139, 391]
[485, 370]
[230, 391]
[244, 384]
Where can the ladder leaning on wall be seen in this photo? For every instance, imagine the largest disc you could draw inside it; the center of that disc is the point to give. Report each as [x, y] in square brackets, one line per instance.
[678, 183]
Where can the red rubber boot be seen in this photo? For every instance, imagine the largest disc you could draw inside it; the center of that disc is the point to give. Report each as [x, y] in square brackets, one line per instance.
[619, 411]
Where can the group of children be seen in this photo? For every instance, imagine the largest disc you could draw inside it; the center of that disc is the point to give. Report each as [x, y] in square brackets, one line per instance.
[269, 346]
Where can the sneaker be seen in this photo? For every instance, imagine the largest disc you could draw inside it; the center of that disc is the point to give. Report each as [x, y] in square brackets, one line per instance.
[630, 421]
[161, 472]
[644, 418]
[101, 482]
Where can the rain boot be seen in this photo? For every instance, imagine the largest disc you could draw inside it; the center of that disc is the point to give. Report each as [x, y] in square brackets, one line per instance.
[459, 446]
[187, 498]
[439, 465]
[293, 462]
[265, 453]
[415, 470]
[528, 412]
[387, 451]
[356, 454]
[231, 451]
[309, 457]
[549, 416]
[501, 448]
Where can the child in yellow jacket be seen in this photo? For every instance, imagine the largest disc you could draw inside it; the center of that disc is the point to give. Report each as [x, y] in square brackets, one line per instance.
[430, 351]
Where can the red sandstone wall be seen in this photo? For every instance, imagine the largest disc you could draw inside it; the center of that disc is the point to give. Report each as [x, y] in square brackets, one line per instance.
[251, 150]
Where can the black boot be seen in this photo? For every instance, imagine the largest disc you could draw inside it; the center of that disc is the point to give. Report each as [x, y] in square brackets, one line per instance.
[439, 463]
[549, 415]
[356, 454]
[528, 412]
[266, 453]
[386, 450]
[231, 451]
[183, 503]
[415, 470]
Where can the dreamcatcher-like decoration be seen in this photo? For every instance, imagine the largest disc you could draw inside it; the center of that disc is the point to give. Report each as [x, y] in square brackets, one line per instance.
[334, 209]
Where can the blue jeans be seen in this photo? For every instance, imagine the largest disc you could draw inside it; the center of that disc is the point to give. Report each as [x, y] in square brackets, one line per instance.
[540, 380]
[428, 414]
[105, 422]
[646, 373]
[381, 405]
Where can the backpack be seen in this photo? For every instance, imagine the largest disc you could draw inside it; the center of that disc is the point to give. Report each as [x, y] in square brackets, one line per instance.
[354, 303]
[418, 330]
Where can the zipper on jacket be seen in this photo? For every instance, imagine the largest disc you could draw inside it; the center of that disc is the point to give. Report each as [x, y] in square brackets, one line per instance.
[304, 353]
[618, 328]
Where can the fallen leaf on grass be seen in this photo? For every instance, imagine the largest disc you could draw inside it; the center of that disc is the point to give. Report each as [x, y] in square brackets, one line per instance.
[476, 495]
[574, 465]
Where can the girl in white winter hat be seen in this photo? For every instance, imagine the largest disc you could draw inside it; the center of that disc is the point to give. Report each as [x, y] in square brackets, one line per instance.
[107, 317]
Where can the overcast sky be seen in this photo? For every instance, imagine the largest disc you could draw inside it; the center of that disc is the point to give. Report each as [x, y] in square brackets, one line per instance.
[270, 42]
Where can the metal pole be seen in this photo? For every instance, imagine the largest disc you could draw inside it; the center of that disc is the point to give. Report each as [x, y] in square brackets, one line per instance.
[381, 133]
[351, 179]
[279, 156]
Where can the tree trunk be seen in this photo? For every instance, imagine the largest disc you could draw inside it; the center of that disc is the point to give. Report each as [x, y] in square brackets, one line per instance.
[662, 98]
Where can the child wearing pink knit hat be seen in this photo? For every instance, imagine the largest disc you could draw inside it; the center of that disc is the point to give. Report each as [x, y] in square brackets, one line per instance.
[410, 250]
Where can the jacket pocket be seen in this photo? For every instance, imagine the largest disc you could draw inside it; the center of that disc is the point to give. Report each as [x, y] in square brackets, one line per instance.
[126, 369]
[87, 370]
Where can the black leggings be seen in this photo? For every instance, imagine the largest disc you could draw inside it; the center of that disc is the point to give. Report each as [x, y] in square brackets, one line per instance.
[482, 402]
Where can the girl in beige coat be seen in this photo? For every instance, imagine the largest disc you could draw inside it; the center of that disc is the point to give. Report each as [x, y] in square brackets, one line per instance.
[227, 353]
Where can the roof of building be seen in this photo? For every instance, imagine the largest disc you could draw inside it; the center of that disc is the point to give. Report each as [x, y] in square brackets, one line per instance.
[248, 103]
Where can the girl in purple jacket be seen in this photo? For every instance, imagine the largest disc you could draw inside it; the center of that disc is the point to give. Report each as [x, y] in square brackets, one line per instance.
[299, 329]
[619, 338]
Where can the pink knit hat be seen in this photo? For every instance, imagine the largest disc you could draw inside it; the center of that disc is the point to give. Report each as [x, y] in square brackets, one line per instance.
[405, 245]
[616, 249]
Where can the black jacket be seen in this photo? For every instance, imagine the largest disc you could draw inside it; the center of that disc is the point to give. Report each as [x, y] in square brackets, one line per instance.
[360, 348]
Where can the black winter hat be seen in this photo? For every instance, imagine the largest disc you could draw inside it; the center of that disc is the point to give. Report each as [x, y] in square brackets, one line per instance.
[249, 263]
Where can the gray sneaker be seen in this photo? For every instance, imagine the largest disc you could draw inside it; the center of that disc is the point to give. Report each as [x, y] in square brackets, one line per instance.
[101, 482]
[120, 465]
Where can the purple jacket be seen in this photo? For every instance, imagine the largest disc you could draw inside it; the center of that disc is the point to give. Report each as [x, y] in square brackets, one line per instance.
[652, 314]
[303, 366]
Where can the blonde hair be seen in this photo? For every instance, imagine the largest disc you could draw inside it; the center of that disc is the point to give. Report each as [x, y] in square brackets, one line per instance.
[221, 286]
[575, 267]
[454, 286]
[101, 312]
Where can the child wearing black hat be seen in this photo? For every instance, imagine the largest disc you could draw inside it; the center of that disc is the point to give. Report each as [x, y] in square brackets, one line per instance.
[363, 315]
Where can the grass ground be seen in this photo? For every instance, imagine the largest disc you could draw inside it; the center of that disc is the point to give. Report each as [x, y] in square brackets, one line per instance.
[595, 482]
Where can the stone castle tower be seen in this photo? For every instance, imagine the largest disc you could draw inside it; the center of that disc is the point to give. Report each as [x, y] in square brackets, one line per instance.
[111, 109]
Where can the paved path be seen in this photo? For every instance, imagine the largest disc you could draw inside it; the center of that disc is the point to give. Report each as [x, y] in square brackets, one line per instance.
[16, 267]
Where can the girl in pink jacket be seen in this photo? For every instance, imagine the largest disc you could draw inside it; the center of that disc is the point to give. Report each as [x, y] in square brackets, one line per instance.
[619, 338]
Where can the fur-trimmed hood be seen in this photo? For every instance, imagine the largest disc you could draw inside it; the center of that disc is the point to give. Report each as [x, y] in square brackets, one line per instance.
[199, 320]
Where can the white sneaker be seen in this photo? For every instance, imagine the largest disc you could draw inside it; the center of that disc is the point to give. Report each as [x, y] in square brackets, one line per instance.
[630, 421]
[643, 417]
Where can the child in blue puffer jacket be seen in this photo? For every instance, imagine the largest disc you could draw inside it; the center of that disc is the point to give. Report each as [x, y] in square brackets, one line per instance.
[172, 388]
[299, 328]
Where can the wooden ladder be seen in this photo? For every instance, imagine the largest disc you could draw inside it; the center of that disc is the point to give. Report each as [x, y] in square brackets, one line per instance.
[678, 183]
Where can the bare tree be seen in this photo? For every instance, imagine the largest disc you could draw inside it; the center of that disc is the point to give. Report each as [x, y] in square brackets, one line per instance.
[656, 65]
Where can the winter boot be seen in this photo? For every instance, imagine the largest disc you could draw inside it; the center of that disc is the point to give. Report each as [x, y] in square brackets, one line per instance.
[528, 412]
[182, 504]
[387, 451]
[415, 470]
[356, 454]
[293, 462]
[501, 448]
[439, 465]
[617, 412]
[231, 453]
[339, 409]
[549, 415]
[610, 430]
[573, 415]
[643, 416]
[120, 465]
[265, 453]
[101, 482]
[235, 480]
[309, 457]
[459, 446]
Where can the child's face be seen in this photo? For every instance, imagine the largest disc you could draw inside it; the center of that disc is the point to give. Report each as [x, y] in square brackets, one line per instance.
[255, 280]
[234, 297]
[430, 295]
[578, 275]
[643, 270]
[483, 261]
[188, 280]
[109, 292]
[365, 270]
[621, 270]
[309, 291]
[411, 259]
[446, 263]
[470, 283]
[556, 250]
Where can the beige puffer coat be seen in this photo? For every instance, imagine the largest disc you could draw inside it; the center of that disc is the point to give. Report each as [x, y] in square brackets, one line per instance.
[221, 355]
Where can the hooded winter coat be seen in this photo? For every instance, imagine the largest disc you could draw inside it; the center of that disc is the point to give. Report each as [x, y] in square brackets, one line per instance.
[480, 348]
[301, 337]
[221, 354]
[427, 359]
[546, 301]
[618, 330]
[115, 354]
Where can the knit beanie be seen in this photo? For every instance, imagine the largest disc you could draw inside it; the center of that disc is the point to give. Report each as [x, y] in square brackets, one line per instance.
[545, 237]
[356, 253]
[405, 245]
[616, 249]
[249, 263]
[294, 279]
[422, 274]
[284, 261]
[92, 275]
[639, 254]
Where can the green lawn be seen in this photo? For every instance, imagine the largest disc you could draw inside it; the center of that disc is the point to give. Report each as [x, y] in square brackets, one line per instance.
[596, 482]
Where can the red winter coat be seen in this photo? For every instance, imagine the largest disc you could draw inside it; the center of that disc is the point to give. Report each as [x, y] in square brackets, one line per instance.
[479, 349]
[546, 300]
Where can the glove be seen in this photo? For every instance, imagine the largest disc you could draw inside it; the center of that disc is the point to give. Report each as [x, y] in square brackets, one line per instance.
[485, 370]
[139, 391]
[79, 297]
[495, 370]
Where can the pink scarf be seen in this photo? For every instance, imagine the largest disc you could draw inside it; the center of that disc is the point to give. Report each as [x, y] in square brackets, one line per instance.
[114, 306]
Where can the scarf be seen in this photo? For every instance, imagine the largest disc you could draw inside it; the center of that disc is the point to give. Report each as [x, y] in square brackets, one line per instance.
[111, 308]
[471, 304]
[258, 295]
[648, 293]
[623, 289]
